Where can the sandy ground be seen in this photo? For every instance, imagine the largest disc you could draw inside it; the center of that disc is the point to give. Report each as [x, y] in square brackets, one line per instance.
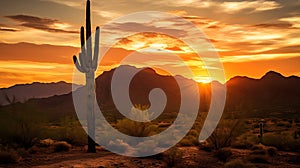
[192, 157]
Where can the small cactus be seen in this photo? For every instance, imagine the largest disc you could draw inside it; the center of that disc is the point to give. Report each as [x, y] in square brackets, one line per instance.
[87, 64]
[261, 131]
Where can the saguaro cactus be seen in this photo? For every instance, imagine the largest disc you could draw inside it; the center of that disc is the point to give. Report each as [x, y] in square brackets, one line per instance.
[87, 64]
[261, 131]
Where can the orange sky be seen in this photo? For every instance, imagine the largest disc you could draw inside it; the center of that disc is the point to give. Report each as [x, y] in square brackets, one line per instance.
[38, 39]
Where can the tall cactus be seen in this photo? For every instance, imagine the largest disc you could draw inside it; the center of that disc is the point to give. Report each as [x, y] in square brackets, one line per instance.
[87, 64]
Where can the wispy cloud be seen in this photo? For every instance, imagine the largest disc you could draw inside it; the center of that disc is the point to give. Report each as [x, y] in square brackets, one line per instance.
[295, 21]
[45, 24]
[253, 6]
[6, 28]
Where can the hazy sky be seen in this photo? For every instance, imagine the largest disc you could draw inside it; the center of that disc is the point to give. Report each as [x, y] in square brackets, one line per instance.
[39, 37]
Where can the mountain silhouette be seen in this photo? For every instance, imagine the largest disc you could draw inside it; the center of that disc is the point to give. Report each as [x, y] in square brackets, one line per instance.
[271, 94]
[23, 92]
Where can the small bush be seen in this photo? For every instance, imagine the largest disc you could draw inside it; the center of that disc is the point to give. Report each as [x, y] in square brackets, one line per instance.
[189, 141]
[172, 157]
[258, 147]
[245, 141]
[281, 141]
[258, 158]
[46, 142]
[9, 156]
[205, 146]
[61, 146]
[33, 150]
[223, 154]
[272, 151]
[22, 152]
[237, 163]
[259, 152]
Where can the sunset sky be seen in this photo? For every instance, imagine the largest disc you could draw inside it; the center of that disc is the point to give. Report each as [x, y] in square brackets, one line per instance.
[39, 37]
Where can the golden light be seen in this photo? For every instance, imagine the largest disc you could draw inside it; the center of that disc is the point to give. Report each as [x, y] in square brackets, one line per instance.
[202, 79]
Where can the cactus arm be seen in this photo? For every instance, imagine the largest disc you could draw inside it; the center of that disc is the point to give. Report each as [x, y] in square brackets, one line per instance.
[96, 50]
[82, 62]
[77, 64]
[88, 34]
[82, 36]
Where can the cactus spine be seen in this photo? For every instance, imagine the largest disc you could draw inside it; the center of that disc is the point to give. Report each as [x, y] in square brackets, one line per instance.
[87, 64]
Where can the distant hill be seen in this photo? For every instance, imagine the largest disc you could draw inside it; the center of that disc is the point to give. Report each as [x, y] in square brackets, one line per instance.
[23, 92]
[272, 95]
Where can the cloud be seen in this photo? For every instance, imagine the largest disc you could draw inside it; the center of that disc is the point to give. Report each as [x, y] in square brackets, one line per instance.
[4, 27]
[8, 29]
[137, 27]
[254, 6]
[221, 6]
[45, 24]
[274, 25]
[295, 21]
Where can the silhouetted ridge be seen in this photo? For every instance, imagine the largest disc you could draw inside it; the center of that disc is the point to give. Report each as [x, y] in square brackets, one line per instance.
[272, 75]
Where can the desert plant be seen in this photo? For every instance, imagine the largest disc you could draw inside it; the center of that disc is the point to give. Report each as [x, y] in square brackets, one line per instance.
[20, 123]
[258, 158]
[223, 154]
[261, 131]
[237, 163]
[224, 134]
[8, 156]
[282, 141]
[272, 151]
[259, 149]
[87, 64]
[61, 146]
[134, 128]
[46, 142]
[172, 156]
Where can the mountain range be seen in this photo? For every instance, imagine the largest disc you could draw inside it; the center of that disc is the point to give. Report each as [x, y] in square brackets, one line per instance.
[24, 92]
[270, 95]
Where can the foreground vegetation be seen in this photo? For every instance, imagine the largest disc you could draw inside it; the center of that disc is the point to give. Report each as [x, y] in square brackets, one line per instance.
[25, 132]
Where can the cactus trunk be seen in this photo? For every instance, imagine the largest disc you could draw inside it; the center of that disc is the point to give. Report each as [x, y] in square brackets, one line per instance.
[90, 85]
[88, 62]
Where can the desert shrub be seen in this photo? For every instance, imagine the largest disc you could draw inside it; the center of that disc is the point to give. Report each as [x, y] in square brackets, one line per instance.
[272, 151]
[22, 152]
[258, 158]
[194, 133]
[259, 149]
[204, 145]
[245, 141]
[281, 141]
[189, 141]
[46, 142]
[8, 156]
[134, 128]
[69, 130]
[61, 146]
[186, 142]
[172, 156]
[259, 152]
[20, 124]
[223, 154]
[237, 163]
[33, 150]
[224, 134]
